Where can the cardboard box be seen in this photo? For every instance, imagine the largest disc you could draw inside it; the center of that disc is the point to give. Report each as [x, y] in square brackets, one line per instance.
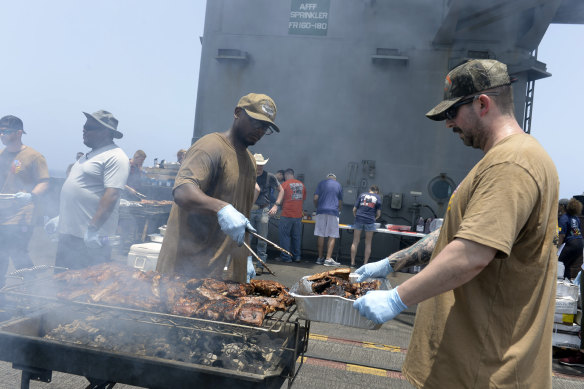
[572, 329]
[566, 305]
[565, 289]
[565, 340]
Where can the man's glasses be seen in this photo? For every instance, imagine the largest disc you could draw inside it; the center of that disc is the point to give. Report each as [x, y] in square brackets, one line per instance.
[6, 132]
[264, 126]
[453, 111]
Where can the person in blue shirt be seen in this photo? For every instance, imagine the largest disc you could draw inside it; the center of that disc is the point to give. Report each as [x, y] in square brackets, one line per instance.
[570, 233]
[328, 200]
[367, 209]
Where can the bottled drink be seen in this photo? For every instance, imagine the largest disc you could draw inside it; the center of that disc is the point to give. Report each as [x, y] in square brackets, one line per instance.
[427, 225]
[112, 240]
[420, 225]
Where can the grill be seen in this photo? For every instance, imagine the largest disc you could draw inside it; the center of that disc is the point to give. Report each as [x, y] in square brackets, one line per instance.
[205, 345]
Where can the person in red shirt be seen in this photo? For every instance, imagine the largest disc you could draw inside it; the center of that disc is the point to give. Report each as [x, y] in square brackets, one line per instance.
[290, 227]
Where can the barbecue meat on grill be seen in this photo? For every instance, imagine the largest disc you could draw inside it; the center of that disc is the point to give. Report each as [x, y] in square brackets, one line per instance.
[117, 285]
[251, 313]
[185, 307]
[267, 288]
[216, 309]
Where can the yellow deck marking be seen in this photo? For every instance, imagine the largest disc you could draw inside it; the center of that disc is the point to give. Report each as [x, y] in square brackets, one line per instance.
[366, 370]
[377, 346]
[385, 347]
[323, 338]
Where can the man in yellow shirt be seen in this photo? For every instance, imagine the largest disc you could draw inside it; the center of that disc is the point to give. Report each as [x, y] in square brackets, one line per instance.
[24, 177]
[486, 298]
[213, 193]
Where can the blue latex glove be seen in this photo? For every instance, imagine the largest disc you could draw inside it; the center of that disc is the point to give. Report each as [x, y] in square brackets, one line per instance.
[91, 238]
[52, 225]
[380, 306]
[379, 269]
[251, 273]
[578, 278]
[233, 223]
[23, 197]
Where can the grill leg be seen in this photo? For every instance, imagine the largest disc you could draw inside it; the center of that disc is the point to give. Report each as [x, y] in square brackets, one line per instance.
[32, 373]
[25, 380]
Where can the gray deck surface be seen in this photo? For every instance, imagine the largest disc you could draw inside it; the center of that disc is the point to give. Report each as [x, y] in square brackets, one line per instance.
[337, 356]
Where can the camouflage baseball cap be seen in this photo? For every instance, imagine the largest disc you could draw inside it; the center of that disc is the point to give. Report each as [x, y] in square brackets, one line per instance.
[260, 107]
[11, 122]
[470, 78]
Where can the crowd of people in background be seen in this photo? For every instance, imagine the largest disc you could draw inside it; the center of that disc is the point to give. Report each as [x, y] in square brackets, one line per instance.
[95, 182]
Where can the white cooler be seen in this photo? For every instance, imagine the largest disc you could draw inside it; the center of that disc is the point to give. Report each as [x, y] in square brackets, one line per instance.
[144, 256]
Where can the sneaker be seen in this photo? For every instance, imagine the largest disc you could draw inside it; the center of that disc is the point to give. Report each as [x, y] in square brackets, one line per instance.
[320, 261]
[286, 260]
[575, 360]
[259, 270]
[331, 262]
[298, 260]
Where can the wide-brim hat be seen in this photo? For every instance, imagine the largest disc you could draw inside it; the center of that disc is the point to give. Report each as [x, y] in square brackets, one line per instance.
[106, 120]
[260, 107]
[468, 79]
[260, 160]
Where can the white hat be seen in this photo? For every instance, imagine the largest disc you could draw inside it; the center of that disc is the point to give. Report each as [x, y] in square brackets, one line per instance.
[260, 159]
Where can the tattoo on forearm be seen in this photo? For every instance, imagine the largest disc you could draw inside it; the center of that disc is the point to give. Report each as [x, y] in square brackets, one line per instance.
[415, 255]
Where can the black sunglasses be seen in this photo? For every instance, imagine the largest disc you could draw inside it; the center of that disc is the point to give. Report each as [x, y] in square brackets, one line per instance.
[453, 111]
[265, 126]
[4, 132]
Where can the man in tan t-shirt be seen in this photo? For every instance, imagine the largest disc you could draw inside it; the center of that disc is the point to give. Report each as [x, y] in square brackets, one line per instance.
[213, 193]
[24, 176]
[486, 298]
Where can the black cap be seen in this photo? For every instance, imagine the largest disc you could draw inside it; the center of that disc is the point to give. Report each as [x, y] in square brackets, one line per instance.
[10, 122]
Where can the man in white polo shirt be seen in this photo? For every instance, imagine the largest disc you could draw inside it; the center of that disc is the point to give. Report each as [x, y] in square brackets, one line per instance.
[90, 196]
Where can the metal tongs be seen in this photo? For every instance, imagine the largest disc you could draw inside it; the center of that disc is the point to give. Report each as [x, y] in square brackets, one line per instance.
[267, 241]
[22, 273]
[259, 259]
[7, 196]
[134, 191]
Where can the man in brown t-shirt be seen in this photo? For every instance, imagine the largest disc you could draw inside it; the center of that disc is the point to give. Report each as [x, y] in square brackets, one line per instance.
[486, 298]
[213, 193]
[23, 177]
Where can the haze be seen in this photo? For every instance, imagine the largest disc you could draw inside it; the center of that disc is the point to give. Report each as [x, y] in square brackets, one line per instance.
[140, 60]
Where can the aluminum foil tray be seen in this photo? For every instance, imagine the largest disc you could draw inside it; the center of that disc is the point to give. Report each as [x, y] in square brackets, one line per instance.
[331, 309]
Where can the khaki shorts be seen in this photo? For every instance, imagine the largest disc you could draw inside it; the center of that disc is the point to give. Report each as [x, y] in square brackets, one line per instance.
[327, 226]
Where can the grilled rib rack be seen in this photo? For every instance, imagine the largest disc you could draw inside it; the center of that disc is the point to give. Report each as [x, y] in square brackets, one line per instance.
[29, 351]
